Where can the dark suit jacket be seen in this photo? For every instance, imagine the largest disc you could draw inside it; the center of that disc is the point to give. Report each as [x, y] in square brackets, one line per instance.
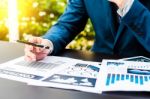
[131, 38]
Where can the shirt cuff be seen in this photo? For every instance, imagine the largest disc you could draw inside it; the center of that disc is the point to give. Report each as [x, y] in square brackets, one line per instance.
[123, 11]
[51, 46]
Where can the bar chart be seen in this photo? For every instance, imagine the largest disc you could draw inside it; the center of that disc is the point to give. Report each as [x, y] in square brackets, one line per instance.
[135, 79]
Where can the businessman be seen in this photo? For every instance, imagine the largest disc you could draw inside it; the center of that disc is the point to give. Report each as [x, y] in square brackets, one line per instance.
[121, 27]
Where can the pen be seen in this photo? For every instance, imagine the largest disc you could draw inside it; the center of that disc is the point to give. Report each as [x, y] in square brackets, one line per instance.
[33, 44]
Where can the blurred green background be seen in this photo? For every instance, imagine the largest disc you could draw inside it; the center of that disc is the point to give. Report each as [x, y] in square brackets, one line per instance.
[35, 17]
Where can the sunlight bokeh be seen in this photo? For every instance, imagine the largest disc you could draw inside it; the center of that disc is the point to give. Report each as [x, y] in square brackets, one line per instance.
[3, 20]
[23, 18]
[13, 20]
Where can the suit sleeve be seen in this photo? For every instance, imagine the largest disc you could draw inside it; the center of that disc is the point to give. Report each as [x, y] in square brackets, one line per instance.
[138, 19]
[68, 26]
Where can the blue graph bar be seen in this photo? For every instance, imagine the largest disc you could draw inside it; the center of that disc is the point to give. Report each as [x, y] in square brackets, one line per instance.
[146, 78]
[137, 79]
[131, 78]
[127, 77]
[113, 79]
[141, 80]
[108, 79]
[122, 77]
[118, 77]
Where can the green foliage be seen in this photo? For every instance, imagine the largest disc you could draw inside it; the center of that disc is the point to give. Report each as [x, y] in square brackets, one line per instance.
[3, 16]
[37, 16]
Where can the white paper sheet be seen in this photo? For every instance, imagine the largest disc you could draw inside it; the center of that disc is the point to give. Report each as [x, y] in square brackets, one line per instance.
[82, 75]
[137, 59]
[55, 71]
[21, 70]
[125, 76]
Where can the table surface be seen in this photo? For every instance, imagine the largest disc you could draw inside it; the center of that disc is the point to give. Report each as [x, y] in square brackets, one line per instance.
[16, 90]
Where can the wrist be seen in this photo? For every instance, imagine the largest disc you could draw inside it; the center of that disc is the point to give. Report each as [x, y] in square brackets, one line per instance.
[50, 44]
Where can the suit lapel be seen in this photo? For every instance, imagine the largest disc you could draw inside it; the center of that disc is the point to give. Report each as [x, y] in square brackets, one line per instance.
[120, 30]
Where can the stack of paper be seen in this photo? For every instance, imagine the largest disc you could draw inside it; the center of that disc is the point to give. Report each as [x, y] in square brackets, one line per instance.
[68, 73]
[55, 71]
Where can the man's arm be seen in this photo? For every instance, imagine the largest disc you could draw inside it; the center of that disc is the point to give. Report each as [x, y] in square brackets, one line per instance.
[138, 19]
[68, 26]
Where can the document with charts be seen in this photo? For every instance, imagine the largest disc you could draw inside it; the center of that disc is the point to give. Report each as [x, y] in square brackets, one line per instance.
[137, 59]
[82, 75]
[53, 71]
[21, 70]
[69, 73]
[120, 75]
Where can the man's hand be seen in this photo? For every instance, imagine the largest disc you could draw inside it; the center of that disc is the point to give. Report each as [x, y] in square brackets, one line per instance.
[119, 3]
[35, 53]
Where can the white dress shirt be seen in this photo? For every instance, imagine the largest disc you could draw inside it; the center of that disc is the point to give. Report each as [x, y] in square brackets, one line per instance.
[123, 11]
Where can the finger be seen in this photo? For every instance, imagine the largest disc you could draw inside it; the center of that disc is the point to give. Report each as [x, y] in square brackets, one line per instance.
[34, 56]
[38, 56]
[46, 43]
[28, 47]
[28, 58]
[30, 55]
[35, 40]
[41, 56]
[46, 51]
[38, 49]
